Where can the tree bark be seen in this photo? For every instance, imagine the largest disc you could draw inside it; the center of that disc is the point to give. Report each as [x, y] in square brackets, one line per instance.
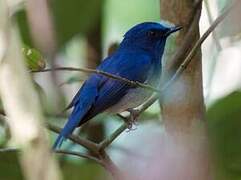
[22, 107]
[183, 105]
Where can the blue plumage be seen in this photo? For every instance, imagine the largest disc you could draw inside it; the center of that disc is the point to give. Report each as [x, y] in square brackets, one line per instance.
[138, 58]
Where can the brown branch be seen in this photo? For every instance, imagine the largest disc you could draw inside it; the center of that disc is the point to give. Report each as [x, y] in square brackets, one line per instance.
[109, 75]
[107, 141]
[78, 154]
[101, 158]
[110, 166]
[93, 147]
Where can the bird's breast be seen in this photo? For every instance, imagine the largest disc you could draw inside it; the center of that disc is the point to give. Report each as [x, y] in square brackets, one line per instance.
[132, 99]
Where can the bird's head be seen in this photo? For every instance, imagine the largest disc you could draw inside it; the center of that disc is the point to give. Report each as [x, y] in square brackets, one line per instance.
[149, 35]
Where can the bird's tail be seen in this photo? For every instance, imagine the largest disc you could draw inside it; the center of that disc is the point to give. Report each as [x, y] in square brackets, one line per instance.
[59, 141]
[87, 96]
[69, 127]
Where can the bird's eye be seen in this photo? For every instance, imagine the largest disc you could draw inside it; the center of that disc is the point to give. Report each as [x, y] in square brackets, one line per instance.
[152, 34]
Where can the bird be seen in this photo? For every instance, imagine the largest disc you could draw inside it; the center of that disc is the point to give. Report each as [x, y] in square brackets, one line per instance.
[138, 58]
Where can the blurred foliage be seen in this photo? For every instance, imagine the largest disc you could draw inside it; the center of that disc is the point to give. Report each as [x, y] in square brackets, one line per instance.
[117, 21]
[9, 165]
[78, 16]
[140, 10]
[224, 123]
[34, 59]
[77, 171]
[112, 48]
[71, 18]
[21, 19]
[10, 169]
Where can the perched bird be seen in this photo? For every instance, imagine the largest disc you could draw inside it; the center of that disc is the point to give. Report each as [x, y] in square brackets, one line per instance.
[138, 58]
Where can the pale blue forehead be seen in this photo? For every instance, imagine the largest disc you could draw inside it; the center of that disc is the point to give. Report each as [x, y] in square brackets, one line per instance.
[146, 26]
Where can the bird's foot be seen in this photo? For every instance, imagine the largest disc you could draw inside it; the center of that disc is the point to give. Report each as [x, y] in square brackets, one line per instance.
[132, 119]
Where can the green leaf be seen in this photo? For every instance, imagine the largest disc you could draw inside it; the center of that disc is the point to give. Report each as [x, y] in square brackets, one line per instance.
[224, 123]
[34, 59]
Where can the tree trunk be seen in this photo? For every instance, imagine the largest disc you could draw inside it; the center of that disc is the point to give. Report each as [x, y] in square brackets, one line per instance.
[183, 105]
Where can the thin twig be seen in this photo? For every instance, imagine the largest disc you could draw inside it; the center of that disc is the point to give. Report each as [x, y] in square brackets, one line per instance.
[107, 141]
[210, 19]
[93, 147]
[109, 75]
[78, 154]
[219, 48]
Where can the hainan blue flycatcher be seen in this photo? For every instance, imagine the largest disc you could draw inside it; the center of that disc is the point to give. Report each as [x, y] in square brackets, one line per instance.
[138, 58]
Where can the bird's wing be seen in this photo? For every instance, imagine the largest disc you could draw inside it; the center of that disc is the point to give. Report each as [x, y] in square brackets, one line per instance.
[111, 91]
[82, 104]
[98, 79]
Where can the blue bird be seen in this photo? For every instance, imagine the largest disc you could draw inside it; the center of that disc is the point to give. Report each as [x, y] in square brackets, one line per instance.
[138, 58]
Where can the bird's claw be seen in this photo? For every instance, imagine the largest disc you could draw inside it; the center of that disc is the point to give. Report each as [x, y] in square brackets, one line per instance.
[132, 119]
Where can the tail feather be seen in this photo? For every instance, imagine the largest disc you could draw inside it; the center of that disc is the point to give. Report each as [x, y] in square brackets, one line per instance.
[59, 141]
[87, 96]
[69, 127]
[74, 120]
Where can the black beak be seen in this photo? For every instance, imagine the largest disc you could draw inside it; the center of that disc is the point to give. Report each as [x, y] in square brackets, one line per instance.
[173, 29]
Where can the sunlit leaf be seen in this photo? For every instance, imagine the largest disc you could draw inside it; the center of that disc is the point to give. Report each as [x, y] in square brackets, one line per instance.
[34, 59]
